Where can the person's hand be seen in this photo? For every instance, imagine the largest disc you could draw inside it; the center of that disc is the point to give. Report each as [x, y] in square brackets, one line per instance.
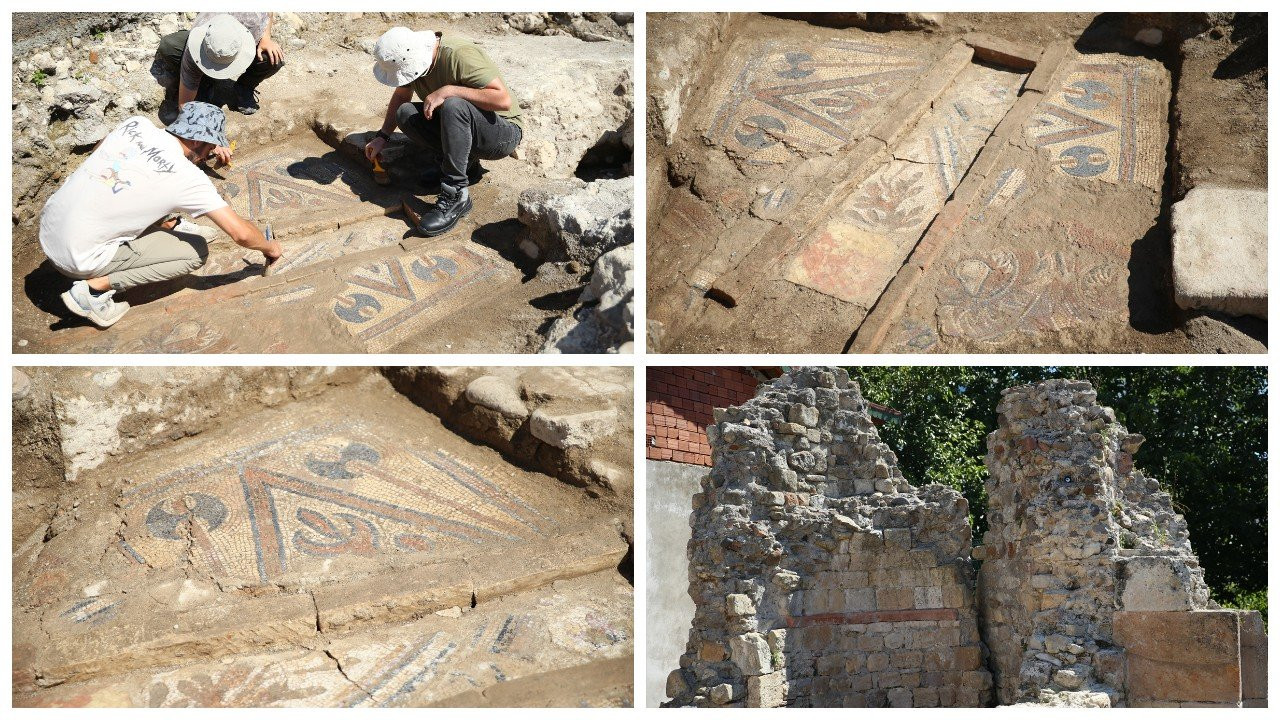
[169, 224]
[433, 101]
[222, 155]
[272, 257]
[373, 148]
[271, 51]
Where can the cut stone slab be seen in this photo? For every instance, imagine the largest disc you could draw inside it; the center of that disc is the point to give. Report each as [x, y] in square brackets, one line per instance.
[1220, 251]
[330, 515]
[580, 629]
[1180, 656]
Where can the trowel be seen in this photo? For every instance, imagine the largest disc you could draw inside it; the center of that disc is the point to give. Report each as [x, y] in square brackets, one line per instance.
[269, 264]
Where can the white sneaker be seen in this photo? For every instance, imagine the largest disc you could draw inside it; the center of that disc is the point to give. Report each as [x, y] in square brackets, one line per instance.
[186, 226]
[101, 310]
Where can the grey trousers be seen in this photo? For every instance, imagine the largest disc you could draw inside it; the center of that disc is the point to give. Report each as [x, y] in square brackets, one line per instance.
[460, 132]
[154, 257]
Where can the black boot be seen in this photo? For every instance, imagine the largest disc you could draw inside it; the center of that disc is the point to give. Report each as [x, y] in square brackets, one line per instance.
[246, 100]
[451, 206]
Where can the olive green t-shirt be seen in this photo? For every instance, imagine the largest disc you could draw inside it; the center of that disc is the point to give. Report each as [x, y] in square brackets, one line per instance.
[461, 62]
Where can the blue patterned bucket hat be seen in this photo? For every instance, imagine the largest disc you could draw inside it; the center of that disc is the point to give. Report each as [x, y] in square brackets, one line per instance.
[201, 122]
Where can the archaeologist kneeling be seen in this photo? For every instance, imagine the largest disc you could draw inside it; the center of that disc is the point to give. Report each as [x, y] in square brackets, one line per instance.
[466, 112]
[110, 223]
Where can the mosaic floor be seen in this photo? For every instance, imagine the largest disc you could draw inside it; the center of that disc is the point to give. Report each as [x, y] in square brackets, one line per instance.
[353, 278]
[806, 97]
[855, 255]
[582, 621]
[200, 548]
[1036, 245]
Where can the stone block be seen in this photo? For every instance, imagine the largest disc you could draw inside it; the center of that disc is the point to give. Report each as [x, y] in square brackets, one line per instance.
[1253, 659]
[1181, 656]
[711, 651]
[928, 597]
[1156, 584]
[1220, 251]
[767, 691]
[750, 653]
[900, 697]
[925, 697]
[722, 694]
[999, 51]
[897, 538]
[895, 598]
[737, 605]
[861, 600]
[1041, 79]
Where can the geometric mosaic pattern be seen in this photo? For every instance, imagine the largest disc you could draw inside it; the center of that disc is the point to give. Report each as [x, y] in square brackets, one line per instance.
[387, 301]
[281, 184]
[809, 97]
[1104, 122]
[326, 491]
[853, 256]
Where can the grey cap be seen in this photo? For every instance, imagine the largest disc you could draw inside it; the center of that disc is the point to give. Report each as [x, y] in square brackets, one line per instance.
[201, 122]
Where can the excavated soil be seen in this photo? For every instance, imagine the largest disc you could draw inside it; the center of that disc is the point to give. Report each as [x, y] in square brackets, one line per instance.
[341, 550]
[832, 189]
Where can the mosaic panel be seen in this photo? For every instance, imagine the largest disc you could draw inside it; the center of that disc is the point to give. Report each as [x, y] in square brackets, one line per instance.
[496, 649]
[388, 301]
[282, 184]
[809, 97]
[182, 337]
[256, 511]
[991, 296]
[855, 255]
[1105, 122]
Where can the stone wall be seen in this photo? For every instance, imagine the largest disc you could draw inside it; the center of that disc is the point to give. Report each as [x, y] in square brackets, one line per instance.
[820, 576]
[1075, 534]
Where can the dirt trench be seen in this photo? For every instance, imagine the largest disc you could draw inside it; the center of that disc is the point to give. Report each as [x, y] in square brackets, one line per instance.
[322, 541]
[974, 183]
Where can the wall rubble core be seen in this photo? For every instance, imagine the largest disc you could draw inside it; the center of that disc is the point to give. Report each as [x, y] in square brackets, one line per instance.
[822, 578]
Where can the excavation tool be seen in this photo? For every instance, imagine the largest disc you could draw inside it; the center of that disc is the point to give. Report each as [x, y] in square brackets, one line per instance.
[380, 176]
[269, 264]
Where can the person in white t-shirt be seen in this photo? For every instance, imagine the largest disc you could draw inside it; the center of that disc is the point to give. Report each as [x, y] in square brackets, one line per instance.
[109, 225]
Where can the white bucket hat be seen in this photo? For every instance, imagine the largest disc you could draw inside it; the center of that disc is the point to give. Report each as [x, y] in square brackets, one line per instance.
[402, 56]
[222, 48]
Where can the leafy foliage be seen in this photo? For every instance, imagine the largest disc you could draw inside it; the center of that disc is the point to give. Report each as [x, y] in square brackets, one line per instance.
[1206, 431]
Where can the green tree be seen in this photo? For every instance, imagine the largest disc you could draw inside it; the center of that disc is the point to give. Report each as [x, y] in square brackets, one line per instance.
[1206, 444]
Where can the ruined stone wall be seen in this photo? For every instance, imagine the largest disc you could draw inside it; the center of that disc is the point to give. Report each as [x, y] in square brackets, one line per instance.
[820, 576]
[1075, 535]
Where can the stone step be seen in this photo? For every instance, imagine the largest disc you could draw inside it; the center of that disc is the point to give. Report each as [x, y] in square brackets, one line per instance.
[348, 511]
[569, 643]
